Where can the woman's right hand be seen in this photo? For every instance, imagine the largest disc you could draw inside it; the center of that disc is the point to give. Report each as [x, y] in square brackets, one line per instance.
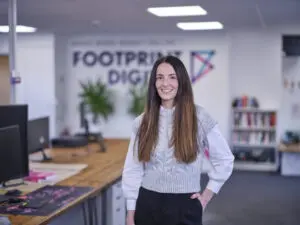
[130, 217]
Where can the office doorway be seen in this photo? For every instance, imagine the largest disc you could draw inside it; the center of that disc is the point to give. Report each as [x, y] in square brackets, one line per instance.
[4, 80]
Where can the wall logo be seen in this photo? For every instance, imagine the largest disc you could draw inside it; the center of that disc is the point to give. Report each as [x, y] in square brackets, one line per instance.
[134, 67]
[200, 64]
[123, 66]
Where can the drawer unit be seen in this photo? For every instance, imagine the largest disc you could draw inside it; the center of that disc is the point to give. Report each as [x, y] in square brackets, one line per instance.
[116, 208]
[117, 190]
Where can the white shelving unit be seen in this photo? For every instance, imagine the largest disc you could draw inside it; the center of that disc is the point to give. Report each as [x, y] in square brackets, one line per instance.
[253, 139]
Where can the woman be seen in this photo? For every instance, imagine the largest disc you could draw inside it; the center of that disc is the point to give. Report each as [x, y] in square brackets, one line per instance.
[161, 176]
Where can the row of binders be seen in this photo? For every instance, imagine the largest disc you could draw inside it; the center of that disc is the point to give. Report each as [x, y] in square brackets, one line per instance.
[254, 119]
[254, 137]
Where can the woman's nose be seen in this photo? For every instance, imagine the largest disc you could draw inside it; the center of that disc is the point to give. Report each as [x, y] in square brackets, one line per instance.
[165, 81]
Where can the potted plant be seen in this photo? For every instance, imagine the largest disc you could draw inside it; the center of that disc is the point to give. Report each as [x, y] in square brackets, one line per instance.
[97, 99]
[138, 99]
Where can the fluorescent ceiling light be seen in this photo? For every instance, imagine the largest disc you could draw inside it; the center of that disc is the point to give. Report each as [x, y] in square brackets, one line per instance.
[177, 11]
[200, 25]
[19, 29]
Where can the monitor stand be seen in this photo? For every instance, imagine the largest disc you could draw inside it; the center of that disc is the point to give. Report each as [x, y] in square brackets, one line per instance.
[101, 142]
[45, 157]
[99, 135]
[37, 158]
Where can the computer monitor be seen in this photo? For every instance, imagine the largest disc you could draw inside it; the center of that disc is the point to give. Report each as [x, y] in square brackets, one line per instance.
[11, 115]
[38, 136]
[11, 154]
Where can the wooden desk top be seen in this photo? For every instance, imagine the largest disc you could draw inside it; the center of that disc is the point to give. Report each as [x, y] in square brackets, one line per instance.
[289, 148]
[103, 169]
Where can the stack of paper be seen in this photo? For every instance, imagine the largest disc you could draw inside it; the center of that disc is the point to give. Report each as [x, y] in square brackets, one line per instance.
[58, 172]
[42, 174]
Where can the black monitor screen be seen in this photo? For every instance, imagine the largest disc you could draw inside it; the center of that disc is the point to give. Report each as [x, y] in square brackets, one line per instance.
[38, 134]
[11, 115]
[11, 158]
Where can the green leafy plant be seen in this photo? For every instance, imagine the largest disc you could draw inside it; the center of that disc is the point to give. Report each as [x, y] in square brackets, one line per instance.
[138, 99]
[98, 98]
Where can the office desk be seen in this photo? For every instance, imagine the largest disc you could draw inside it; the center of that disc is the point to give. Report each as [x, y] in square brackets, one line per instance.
[290, 159]
[103, 171]
[289, 148]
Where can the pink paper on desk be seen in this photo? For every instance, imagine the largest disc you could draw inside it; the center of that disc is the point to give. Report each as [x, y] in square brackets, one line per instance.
[35, 176]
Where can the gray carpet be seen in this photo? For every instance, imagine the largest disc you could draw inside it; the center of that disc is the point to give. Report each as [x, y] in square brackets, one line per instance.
[255, 198]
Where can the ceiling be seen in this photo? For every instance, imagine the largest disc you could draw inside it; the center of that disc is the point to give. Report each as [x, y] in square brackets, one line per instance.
[130, 16]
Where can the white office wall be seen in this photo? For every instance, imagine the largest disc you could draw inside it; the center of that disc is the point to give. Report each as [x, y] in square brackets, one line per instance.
[290, 102]
[35, 66]
[255, 66]
[211, 91]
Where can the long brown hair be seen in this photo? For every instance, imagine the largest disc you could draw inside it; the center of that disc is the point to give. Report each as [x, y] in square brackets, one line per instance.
[185, 126]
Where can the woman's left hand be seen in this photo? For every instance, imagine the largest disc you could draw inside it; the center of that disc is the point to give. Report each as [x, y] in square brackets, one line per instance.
[200, 198]
[204, 198]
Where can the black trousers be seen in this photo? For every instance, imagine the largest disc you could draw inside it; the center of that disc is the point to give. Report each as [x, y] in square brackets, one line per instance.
[153, 208]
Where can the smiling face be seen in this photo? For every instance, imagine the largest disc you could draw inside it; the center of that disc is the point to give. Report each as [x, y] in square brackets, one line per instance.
[166, 84]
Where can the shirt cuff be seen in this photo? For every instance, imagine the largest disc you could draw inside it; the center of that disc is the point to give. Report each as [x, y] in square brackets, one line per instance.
[214, 186]
[131, 204]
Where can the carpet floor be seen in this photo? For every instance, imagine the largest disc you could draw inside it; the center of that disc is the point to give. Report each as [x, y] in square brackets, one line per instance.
[255, 198]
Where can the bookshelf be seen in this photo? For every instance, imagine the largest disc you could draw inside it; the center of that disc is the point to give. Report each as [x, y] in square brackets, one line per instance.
[253, 139]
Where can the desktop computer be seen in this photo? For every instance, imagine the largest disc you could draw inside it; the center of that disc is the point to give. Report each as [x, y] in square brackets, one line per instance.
[38, 136]
[11, 156]
[16, 115]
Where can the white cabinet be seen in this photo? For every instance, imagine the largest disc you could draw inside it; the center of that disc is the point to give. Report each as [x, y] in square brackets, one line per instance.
[115, 202]
[290, 164]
